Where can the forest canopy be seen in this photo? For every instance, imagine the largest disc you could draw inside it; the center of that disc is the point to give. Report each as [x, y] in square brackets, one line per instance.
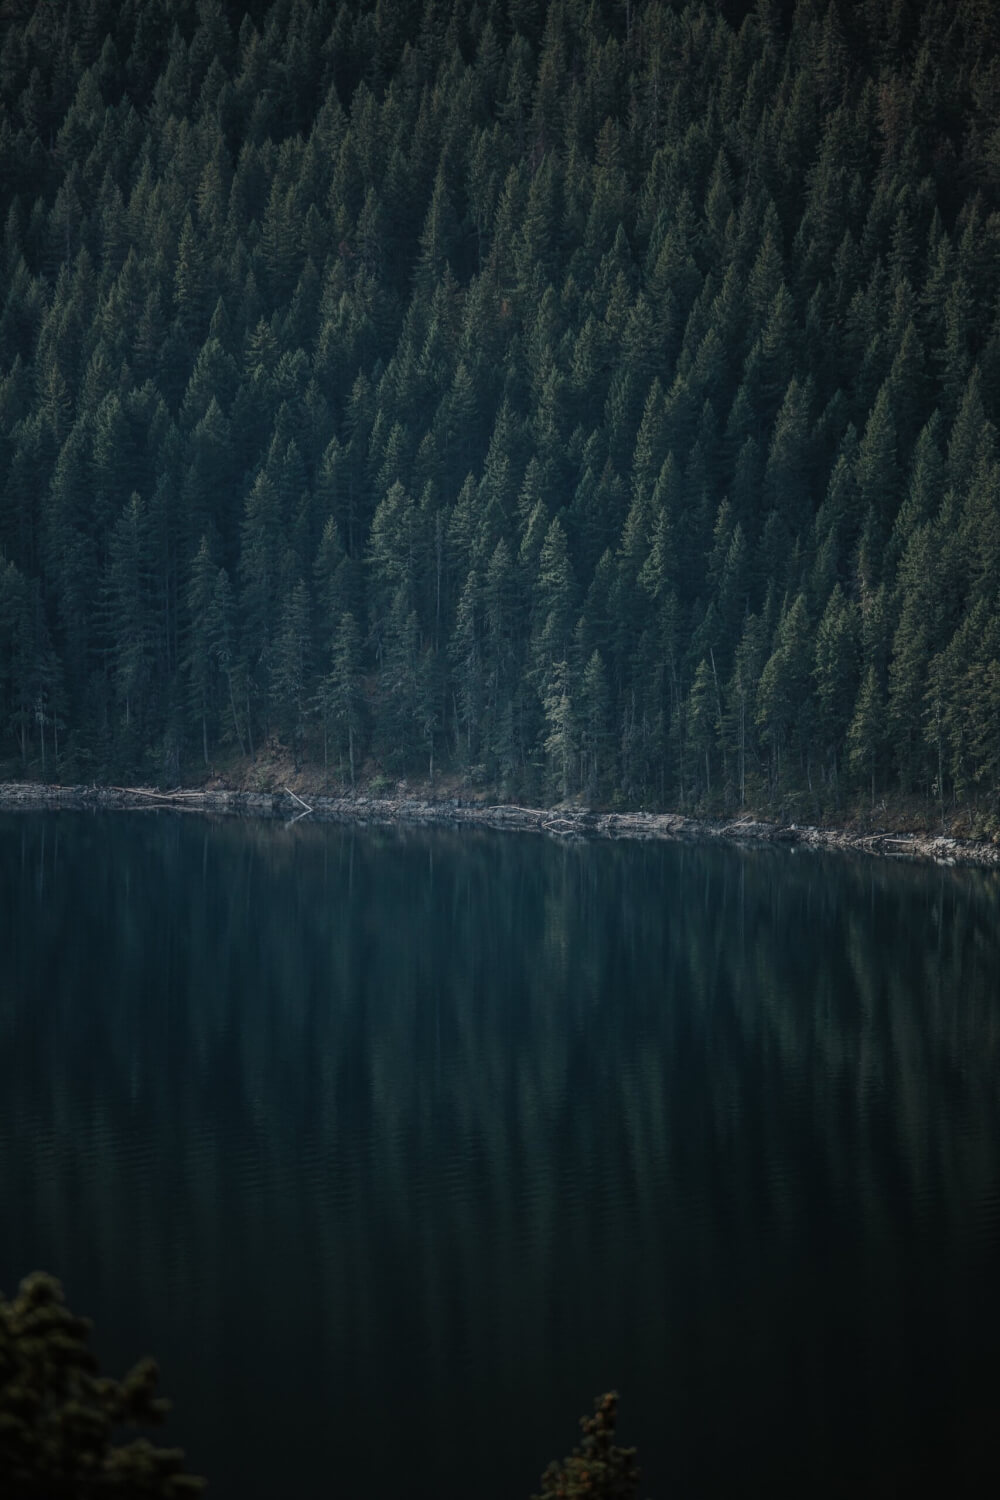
[587, 398]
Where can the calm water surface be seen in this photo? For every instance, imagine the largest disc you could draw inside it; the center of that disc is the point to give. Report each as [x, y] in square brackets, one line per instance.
[398, 1147]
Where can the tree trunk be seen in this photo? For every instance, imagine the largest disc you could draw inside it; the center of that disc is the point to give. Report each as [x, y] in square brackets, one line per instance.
[232, 705]
[742, 749]
[718, 709]
[249, 728]
[439, 562]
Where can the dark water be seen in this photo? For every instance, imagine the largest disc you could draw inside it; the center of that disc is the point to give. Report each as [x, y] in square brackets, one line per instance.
[396, 1148]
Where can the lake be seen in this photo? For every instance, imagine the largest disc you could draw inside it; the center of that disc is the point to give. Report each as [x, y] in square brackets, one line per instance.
[397, 1147]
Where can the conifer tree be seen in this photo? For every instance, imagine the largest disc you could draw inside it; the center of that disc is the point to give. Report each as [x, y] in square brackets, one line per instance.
[783, 698]
[291, 668]
[598, 1468]
[130, 627]
[200, 662]
[223, 643]
[836, 674]
[553, 604]
[561, 725]
[866, 734]
[59, 1417]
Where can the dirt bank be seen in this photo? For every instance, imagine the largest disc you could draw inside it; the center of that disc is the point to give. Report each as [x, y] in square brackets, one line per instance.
[454, 811]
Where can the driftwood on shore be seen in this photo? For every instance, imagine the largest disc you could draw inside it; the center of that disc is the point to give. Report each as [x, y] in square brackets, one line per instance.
[558, 822]
[304, 805]
[176, 798]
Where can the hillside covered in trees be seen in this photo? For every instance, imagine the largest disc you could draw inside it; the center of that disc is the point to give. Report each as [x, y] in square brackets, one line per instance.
[589, 397]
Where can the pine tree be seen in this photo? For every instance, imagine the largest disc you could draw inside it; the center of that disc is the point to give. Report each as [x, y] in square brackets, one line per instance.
[783, 697]
[503, 622]
[561, 723]
[291, 668]
[58, 1417]
[741, 698]
[223, 644]
[260, 562]
[130, 626]
[598, 1468]
[788, 473]
[191, 286]
[877, 467]
[595, 726]
[402, 714]
[553, 604]
[466, 653]
[866, 734]
[199, 662]
[836, 675]
[16, 655]
[702, 723]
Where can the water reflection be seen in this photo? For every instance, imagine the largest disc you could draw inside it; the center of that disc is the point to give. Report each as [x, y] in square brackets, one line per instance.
[434, 1136]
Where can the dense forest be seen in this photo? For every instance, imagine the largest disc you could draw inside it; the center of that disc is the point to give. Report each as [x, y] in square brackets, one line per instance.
[594, 397]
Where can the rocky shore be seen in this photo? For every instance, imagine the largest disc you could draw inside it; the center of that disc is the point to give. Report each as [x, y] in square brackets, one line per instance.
[560, 822]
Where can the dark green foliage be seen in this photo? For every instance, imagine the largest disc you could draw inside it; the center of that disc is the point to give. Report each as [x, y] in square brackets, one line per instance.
[626, 376]
[291, 668]
[339, 700]
[59, 1417]
[598, 1469]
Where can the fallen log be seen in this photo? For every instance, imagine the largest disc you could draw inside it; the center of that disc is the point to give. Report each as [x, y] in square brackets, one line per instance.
[138, 791]
[299, 800]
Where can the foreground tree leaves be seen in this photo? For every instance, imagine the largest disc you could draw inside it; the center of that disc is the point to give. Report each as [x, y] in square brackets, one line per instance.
[598, 1469]
[59, 1416]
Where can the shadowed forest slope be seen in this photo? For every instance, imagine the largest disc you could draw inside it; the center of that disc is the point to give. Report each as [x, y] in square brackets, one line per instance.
[586, 398]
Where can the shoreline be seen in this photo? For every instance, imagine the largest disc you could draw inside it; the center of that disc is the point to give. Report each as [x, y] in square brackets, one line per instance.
[560, 822]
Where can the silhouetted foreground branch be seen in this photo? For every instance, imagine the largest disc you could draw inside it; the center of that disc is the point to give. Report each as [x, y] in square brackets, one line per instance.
[59, 1415]
[598, 1469]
